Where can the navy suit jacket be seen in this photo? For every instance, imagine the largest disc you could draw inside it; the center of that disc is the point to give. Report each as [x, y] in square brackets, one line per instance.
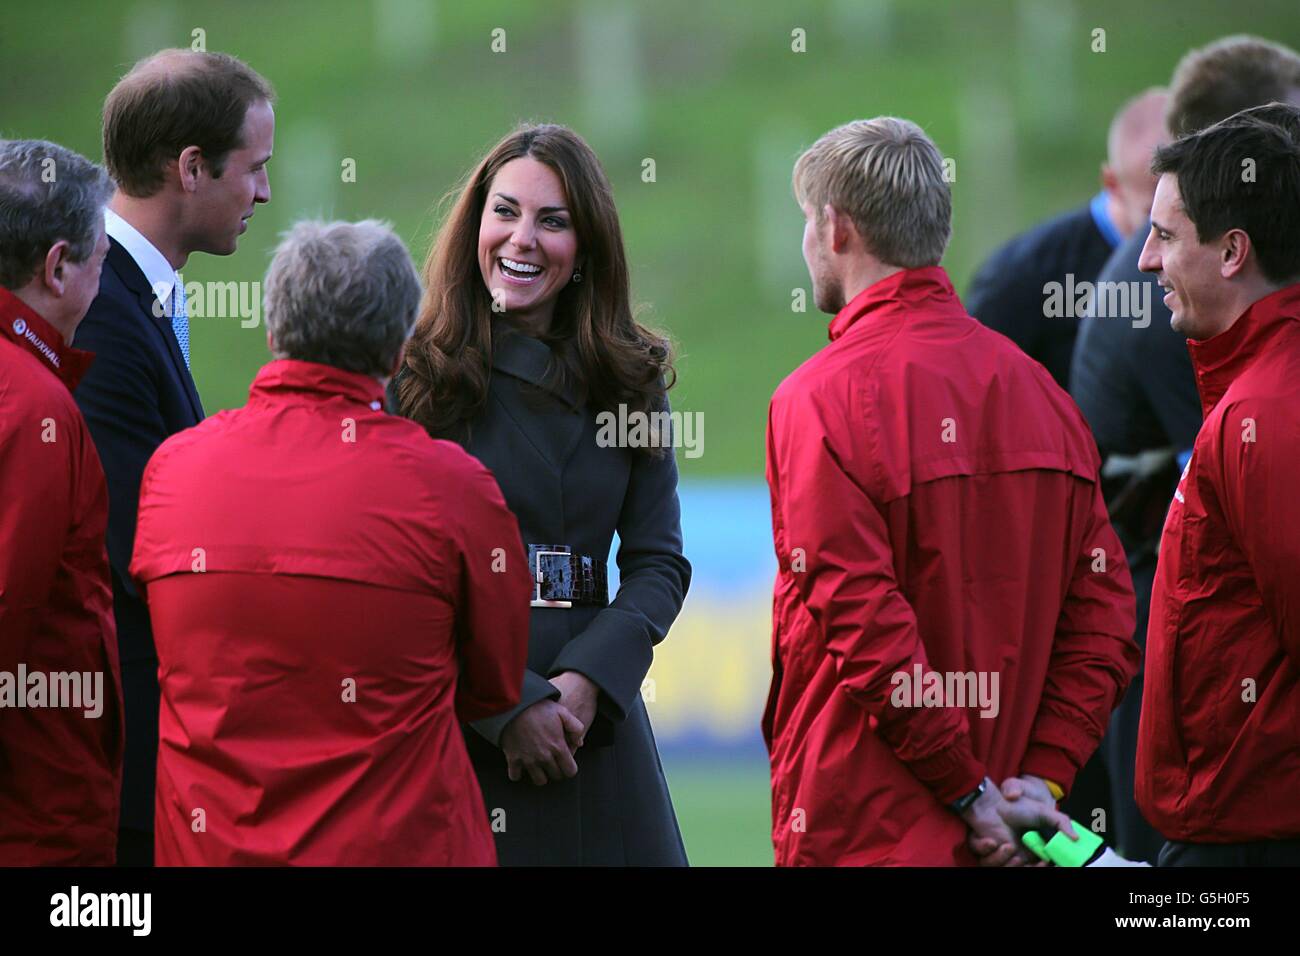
[137, 393]
[1008, 294]
[1135, 385]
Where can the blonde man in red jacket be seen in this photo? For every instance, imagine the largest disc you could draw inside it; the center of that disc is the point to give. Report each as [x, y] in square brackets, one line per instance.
[331, 591]
[1218, 762]
[60, 691]
[952, 607]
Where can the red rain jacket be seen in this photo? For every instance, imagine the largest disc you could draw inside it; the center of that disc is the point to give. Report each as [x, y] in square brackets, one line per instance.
[60, 767]
[330, 590]
[936, 509]
[1219, 743]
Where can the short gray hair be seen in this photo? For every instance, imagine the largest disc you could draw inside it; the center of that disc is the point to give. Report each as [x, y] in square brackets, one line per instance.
[47, 194]
[342, 294]
[888, 177]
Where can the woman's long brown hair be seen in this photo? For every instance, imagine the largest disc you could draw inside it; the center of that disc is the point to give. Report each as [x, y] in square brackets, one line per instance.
[598, 345]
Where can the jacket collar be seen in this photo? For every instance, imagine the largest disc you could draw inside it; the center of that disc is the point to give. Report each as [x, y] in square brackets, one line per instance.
[908, 287]
[289, 379]
[123, 264]
[529, 360]
[157, 271]
[21, 325]
[1219, 360]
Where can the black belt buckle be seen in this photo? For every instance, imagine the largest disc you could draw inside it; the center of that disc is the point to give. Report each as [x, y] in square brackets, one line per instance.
[562, 578]
[552, 567]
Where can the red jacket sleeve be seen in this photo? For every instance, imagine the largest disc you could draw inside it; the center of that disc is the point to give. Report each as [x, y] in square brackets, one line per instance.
[850, 589]
[493, 599]
[1257, 447]
[1093, 655]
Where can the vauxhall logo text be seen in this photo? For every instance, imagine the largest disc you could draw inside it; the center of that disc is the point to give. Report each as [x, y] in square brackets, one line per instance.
[24, 331]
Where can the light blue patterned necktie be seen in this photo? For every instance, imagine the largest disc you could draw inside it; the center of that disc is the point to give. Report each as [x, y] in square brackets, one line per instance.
[181, 319]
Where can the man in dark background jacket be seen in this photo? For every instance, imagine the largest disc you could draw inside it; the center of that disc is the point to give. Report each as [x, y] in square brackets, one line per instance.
[187, 136]
[1009, 292]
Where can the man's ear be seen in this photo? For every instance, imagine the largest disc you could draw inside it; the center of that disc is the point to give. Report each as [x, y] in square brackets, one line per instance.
[1234, 251]
[54, 269]
[843, 231]
[189, 166]
[1109, 181]
[270, 342]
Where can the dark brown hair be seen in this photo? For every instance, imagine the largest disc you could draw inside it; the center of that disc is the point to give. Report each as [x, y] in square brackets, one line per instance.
[1215, 81]
[172, 100]
[1218, 196]
[598, 346]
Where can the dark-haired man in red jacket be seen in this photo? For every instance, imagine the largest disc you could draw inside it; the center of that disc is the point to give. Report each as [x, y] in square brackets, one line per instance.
[1218, 761]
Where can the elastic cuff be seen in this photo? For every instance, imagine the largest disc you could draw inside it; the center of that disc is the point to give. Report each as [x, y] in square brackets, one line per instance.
[951, 773]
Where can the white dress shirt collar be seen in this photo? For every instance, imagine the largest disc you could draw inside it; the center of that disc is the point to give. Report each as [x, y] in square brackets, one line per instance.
[157, 270]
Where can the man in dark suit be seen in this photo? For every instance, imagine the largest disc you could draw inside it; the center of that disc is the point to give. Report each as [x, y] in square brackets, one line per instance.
[187, 136]
[1009, 293]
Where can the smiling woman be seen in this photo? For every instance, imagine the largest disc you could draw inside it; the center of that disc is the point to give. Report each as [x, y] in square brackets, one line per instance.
[526, 245]
[526, 337]
[533, 240]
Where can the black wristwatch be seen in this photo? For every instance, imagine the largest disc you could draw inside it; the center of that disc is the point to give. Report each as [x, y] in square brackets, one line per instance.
[962, 804]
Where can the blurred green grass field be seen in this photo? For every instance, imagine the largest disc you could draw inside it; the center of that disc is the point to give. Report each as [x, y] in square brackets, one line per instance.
[711, 90]
[724, 810]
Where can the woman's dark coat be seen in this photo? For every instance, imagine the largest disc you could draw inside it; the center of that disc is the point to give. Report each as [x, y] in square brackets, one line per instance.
[566, 489]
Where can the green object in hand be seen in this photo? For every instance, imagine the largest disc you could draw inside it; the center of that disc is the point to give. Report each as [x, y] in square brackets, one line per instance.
[1061, 850]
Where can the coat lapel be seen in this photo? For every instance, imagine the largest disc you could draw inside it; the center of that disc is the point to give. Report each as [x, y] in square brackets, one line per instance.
[553, 425]
[133, 278]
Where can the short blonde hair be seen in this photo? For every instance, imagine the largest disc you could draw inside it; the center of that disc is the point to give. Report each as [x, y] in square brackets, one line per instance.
[887, 176]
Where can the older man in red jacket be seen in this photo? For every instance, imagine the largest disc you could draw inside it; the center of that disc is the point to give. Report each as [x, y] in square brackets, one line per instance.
[952, 607]
[60, 693]
[1218, 762]
[331, 590]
